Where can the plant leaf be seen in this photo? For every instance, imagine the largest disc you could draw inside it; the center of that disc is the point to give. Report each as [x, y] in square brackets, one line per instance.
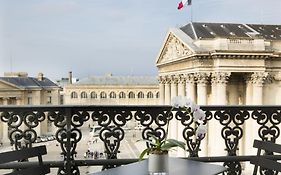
[173, 143]
[146, 151]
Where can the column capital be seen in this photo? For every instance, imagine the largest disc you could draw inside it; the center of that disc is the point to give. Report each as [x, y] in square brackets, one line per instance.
[182, 78]
[277, 76]
[175, 79]
[220, 77]
[259, 78]
[202, 77]
[167, 79]
[190, 78]
[161, 79]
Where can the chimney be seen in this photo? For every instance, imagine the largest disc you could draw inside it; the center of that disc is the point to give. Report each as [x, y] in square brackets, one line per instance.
[40, 76]
[70, 77]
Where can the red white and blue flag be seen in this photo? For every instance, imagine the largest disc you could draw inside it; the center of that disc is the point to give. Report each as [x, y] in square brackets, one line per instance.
[183, 2]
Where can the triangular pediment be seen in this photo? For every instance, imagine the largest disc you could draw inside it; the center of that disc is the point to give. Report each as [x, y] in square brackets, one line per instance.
[8, 86]
[173, 48]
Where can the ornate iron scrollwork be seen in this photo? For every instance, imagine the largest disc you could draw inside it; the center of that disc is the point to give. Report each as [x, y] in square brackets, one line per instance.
[112, 132]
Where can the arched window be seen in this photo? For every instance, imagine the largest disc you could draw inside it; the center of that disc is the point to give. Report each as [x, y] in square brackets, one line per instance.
[112, 95]
[102, 94]
[84, 94]
[94, 95]
[149, 95]
[157, 95]
[140, 95]
[122, 95]
[131, 95]
[74, 95]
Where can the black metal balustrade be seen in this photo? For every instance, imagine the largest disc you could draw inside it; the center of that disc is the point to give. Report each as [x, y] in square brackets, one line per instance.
[69, 119]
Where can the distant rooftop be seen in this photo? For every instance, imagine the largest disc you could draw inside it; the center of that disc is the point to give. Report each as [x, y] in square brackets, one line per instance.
[119, 80]
[21, 79]
[198, 30]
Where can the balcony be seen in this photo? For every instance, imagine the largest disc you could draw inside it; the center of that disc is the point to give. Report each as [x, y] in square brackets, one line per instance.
[233, 126]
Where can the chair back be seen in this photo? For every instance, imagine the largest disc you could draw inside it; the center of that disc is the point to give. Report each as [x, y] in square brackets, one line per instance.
[24, 154]
[266, 162]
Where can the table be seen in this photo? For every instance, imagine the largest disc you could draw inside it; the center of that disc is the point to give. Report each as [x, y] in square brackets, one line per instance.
[177, 166]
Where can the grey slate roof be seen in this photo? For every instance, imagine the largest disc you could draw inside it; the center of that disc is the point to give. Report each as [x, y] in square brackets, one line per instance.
[119, 80]
[29, 82]
[228, 30]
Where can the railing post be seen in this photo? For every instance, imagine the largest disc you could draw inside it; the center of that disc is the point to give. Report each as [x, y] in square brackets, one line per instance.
[68, 114]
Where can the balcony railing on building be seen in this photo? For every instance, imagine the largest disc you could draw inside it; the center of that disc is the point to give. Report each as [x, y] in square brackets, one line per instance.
[231, 131]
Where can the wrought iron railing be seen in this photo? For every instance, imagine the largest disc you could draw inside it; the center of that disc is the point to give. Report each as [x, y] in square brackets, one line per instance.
[69, 120]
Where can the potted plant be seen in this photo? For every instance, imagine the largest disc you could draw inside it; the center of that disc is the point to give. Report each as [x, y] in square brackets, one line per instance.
[158, 150]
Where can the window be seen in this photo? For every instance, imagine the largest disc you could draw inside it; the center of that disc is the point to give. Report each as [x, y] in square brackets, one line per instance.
[74, 95]
[29, 100]
[122, 95]
[12, 101]
[157, 95]
[149, 95]
[49, 92]
[94, 95]
[49, 100]
[140, 95]
[112, 95]
[131, 95]
[102, 94]
[84, 95]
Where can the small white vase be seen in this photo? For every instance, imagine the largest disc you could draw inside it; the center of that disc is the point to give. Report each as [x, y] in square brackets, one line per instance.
[158, 163]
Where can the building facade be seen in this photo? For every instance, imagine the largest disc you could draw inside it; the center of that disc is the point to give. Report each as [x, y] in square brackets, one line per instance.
[224, 64]
[16, 88]
[113, 90]
[221, 64]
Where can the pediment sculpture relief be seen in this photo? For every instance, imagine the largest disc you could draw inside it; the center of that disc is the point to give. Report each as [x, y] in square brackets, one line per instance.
[174, 48]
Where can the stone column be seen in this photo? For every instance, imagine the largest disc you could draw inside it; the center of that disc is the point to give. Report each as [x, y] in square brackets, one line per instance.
[202, 80]
[249, 90]
[173, 128]
[190, 87]
[174, 86]
[18, 101]
[258, 80]
[277, 77]
[5, 125]
[181, 92]
[161, 90]
[219, 81]
[181, 85]
[167, 90]
[219, 97]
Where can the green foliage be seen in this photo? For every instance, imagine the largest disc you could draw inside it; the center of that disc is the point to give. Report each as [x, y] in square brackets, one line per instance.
[159, 146]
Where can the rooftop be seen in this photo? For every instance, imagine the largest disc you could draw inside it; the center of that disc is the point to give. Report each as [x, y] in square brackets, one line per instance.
[198, 30]
[119, 80]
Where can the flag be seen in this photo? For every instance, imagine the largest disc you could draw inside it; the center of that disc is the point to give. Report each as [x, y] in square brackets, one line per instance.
[183, 2]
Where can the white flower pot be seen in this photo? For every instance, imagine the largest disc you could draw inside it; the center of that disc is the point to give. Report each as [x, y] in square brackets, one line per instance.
[158, 163]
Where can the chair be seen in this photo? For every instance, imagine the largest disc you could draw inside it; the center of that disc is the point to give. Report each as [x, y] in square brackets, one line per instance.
[263, 161]
[24, 154]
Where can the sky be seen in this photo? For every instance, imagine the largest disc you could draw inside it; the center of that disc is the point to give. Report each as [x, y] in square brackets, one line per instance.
[97, 37]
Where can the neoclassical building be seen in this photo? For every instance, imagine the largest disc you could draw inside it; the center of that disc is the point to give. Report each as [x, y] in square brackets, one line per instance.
[219, 63]
[113, 90]
[17, 88]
